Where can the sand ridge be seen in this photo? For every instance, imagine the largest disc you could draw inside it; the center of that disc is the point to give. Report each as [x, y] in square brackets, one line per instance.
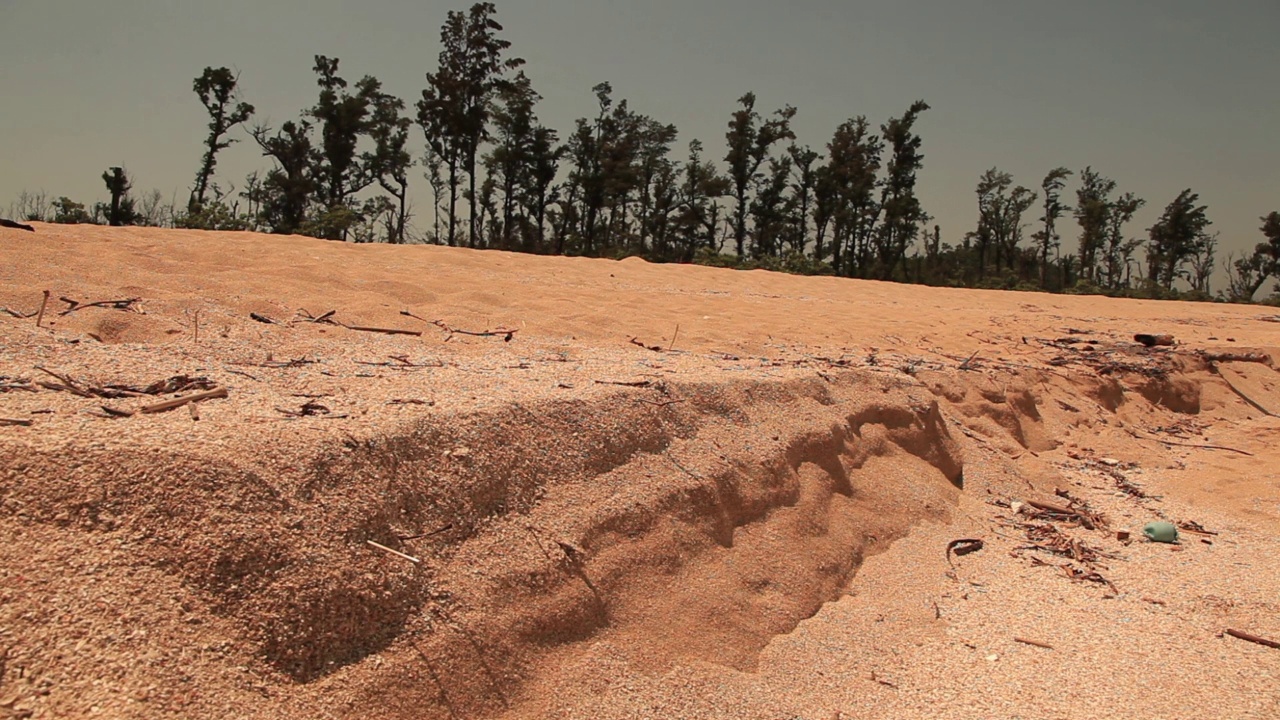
[745, 522]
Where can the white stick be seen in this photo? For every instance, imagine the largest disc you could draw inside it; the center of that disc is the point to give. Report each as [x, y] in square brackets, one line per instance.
[397, 553]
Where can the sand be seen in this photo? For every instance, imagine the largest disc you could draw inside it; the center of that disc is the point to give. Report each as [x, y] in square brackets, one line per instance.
[631, 490]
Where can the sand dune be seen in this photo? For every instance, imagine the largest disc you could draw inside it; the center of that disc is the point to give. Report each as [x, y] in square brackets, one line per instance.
[631, 490]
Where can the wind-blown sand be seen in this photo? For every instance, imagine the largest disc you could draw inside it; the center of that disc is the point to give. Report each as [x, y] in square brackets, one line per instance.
[749, 521]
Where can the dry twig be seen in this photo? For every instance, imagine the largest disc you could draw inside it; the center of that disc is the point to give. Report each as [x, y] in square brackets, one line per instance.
[1250, 637]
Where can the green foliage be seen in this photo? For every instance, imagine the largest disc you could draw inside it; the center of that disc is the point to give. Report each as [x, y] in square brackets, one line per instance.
[750, 139]
[121, 210]
[69, 212]
[1177, 237]
[215, 215]
[218, 92]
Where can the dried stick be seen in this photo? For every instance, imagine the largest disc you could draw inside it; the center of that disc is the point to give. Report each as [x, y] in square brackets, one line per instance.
[67, 383]
[397, 553]
[1035, 643]
[1254, 639]
[7, 422]
[40, 316]
[672, 346]
[384, 331]
[218, 392]
[125, 304]
[1192, 445]
[1245, 397]
[636, 383]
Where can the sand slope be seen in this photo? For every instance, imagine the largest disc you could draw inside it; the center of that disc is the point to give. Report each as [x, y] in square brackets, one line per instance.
[744, 517]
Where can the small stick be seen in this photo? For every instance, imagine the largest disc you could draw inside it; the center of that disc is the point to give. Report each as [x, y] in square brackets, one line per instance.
[397, 553]
[672, 346]
[965, 365]
[6, 422]
[636, 383]
[45, 301]
[1245, 397]
[384, 331]
[67, 383]
[1191, 445]
[218, 392]
[1035, 643]
[196, 324]
[1254, 639]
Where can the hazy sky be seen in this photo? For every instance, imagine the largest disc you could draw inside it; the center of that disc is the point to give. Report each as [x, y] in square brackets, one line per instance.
[1160, 95]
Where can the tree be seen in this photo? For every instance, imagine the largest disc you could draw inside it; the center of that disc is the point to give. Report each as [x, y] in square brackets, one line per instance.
[1175, 238]
[287, 190]
[804, 179]
[898, 201]
[1047, 238]
[845, 196]
[121, 210]
[390, 162]
[1118, 252]
[750, 140]
[219, 93]
[772, 210]
[1203, 260]
[1247, 275]
[68, 212]
[340, 171]
[456, 105]
[1093, 211]
[697, 214]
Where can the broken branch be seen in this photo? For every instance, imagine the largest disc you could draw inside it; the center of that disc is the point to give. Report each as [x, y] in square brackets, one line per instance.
[1253, 638]
[43, 303]
[7, 422]
[74, 305]
[219, 392]
[1034, 643]
[384, 331]
[397, 553]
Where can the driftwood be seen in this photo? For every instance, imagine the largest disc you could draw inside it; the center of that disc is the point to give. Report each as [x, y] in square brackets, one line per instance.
[397, 553]
[5, 222]
[262, 319]
[8, 422]
[218, 392]
[505, 333]
[1244, 396]
[14, 383]
[1192, 445]
[66, 383]
[1034, 643]
[1154, 340]
[384, 331]
[963, 547]
[311, 408]
[43, 303]
[654, 348]
[1229, 356]
[326, 318]
[633, 383]
[402, 363]
[75, 305]
[1250, 637]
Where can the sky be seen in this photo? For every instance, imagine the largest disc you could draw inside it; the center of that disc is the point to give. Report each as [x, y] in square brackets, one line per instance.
[1159, 95]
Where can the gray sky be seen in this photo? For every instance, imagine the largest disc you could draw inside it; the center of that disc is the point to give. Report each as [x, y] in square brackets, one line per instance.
[1159, 95]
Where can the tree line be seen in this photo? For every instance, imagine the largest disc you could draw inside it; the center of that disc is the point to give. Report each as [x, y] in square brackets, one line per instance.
[621, 184]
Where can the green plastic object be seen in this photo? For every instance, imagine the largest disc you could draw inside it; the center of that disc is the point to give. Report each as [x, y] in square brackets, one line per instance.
[1161, 532]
